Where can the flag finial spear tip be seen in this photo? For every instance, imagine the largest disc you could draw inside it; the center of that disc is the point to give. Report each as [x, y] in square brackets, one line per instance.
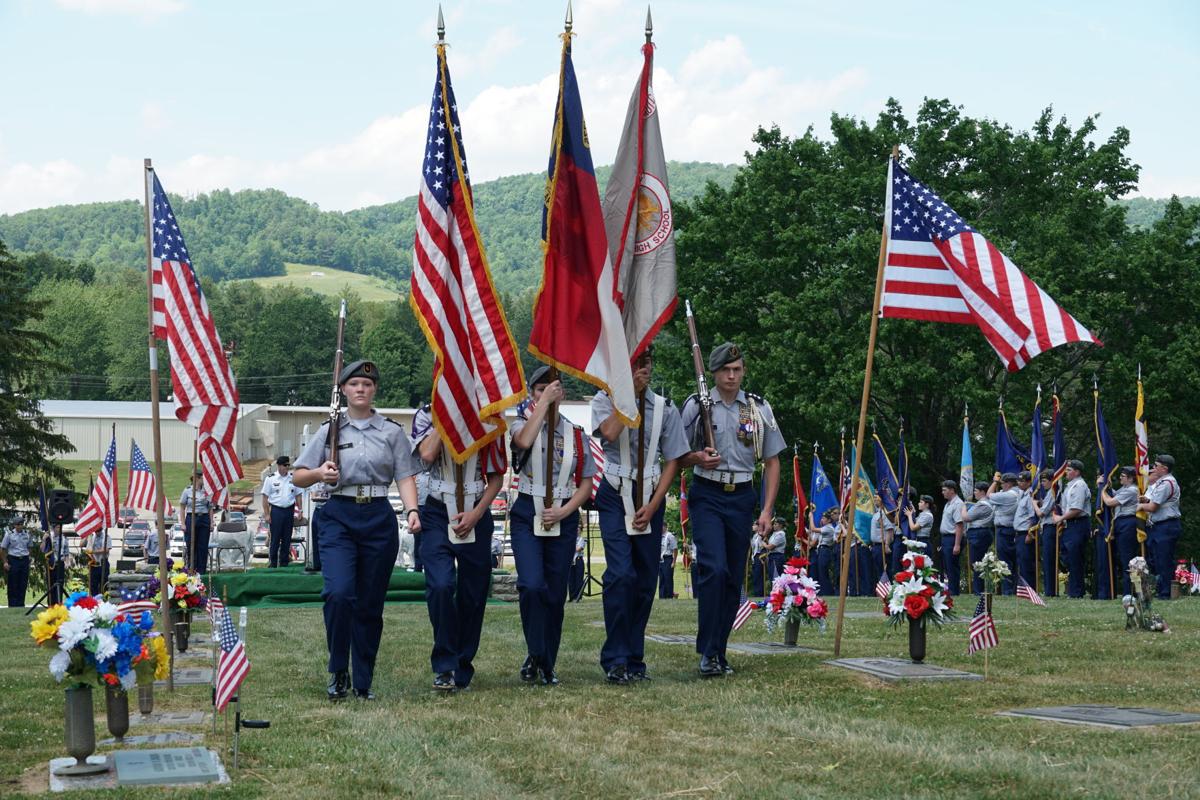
[649, 25]
[569, 22]
[441, 26]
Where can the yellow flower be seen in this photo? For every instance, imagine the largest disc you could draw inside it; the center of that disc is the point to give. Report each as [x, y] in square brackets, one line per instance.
[46, 625]
[162, 662]
[178, 578]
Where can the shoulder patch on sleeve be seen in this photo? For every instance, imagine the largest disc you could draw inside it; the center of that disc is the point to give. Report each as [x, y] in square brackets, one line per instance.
[758, 398]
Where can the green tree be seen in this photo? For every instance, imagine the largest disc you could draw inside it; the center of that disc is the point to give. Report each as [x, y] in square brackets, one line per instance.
[27, 438]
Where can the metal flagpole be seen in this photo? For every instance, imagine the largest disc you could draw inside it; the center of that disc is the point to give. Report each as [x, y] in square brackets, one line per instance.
[862, 418]
[159, 496]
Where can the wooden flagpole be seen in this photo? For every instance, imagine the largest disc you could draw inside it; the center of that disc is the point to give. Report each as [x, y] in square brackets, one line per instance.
[862, 423]
[191, 543]
[159, 496]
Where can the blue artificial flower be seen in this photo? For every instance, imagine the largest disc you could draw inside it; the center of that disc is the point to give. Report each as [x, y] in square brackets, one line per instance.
[75, 597]
[146, 622]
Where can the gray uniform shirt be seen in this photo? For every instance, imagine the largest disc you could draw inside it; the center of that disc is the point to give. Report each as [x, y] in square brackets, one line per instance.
[737, 452]
[203, 502]
[372, 451]
[668, 545]
[16, 542]
[826, 535]
[1165, 492]
[924, 525]
[879, 519]
[565, 429]
[1026, 514]
[671, 440]
[1127, 496]
[1077, 496]
[776, 542]
[1045, 510]
[951, 515]
[489, 459]
[1004, 503]
[980, 515]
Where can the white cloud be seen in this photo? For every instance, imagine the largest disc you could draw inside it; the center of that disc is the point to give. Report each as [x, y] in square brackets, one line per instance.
[146, 9]
[1151, 184]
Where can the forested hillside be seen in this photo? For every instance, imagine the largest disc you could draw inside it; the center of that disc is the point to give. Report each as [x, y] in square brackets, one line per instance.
[251, 233]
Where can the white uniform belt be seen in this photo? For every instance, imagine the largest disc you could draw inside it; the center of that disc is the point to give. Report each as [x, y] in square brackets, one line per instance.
[723, 475]
[366, 491]
[447, 487]
[525, 486]
[653, 471]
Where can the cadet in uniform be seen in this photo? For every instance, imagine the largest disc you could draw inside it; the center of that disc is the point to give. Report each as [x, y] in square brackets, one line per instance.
[1025, 522]
[666, 566]
[359, 532]
[457, 543]
[1161, 501]
[921, 527]
[1049, 532]
[951, 531]
[631, 516]
[58, 558]
[758, 564]
[543, 539]
[721, 499]
[1123, 501]
[197, 548]
[1077, 503]
[98, 545]
[822, 539]
[978, 518]
[575, 580]
[883, 537]
[279, 509]
[776, 545]
[14, 549]
[1003, 496]
[319, 494]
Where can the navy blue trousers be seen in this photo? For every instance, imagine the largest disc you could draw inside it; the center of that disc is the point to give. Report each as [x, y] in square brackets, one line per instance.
[315, 526]
[542, 564]
[775, 562]
[1106, 573]
[950, 562]
[197, 548]
[630, 574]
[1074, 539]
[822, 569]
[721, 527]
[18, 580]
[877, 558]
[666, 578]
[1006, 551]
[98, 575]
[978, 542]
[282, 521]
[1126, 546]
[1163, 538]
[867, 570]
[359, 542]
[1026, 559]
[576, 579]
[851, 570]
[456, 587]
[1049, 543]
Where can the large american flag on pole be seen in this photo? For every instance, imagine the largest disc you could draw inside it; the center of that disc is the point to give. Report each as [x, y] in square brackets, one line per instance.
[100, 512]
[233, 665]
[477, 370]
[142, 485]
[205, 391]
[941, 269]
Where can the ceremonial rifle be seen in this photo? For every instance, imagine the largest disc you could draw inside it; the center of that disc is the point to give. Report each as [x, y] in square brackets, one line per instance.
[706, 426]
[335, 401]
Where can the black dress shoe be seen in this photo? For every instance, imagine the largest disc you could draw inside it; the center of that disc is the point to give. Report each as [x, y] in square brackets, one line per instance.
[617, 675]
[529, 671]
[547, 677]
[364, 694]
[444, 682]
[638, 677]
[725, 668]
[339, 685]
[710, 668]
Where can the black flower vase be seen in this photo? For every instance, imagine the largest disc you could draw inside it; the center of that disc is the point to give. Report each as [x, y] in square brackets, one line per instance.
[916, 640]
[183, 629]
[791, 632]
[116, 707]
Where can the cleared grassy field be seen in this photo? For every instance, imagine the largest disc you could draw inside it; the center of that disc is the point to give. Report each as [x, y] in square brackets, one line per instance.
[783, 726]
[329, 281]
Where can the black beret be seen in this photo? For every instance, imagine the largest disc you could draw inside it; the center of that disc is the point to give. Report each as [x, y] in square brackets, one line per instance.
[1023, 477]
[359, 369]
[1130, 471]
[1075, 464]
[539, 376]
[199, 472]
[947, 484]
[723, 354]
[1046, 475]
[1008, 477]
[284, 460]
[1166, 460]
[982, 486]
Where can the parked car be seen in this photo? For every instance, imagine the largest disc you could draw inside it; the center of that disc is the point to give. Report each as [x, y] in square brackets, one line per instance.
[233, 521]
[395, 501]
[178, 541]
[500, 506]
[125, 516]
[135, 539]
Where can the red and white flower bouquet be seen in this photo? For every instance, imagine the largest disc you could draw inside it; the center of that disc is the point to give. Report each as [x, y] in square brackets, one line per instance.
[795, 598]
[918, 591]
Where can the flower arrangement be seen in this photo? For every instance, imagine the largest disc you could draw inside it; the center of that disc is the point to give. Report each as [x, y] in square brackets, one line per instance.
[94, 643]
[1183, 576]
[188, 592]
[1137, 605]
[794, 598]
[992, 570]
[918, 591]
[154, 664]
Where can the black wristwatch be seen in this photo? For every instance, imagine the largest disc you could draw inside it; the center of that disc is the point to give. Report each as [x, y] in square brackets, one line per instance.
[412, 511]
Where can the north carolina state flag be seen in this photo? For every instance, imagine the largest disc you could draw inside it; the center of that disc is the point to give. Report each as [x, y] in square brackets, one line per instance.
[577, 324]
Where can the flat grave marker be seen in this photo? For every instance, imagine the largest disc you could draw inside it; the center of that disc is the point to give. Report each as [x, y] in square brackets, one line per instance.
[901, 669]
[160, 739]
[1114, 717]
[170, 718]
[191, 676]
[769, 648]
[671, 638]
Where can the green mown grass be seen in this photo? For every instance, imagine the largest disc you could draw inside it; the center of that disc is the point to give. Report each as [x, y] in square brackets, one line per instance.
[333, 282]
[783, 726]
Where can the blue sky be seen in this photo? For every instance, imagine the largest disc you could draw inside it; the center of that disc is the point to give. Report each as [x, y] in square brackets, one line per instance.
[328, 100]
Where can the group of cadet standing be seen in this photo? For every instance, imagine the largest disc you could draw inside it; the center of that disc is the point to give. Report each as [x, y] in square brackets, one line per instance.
[1038, 532]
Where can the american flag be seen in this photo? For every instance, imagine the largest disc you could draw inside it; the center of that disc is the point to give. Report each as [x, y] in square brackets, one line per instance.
[598, 457]
[477, 371]
[221, 468]
[132, 606]
[100, 512]
[981, 632]
[205, 391]
[941, 269]
[215, 608]
[883, 586]
[1028, 592]
[142, 485]
[233, 665]
[744, 610]
[1195, 579]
